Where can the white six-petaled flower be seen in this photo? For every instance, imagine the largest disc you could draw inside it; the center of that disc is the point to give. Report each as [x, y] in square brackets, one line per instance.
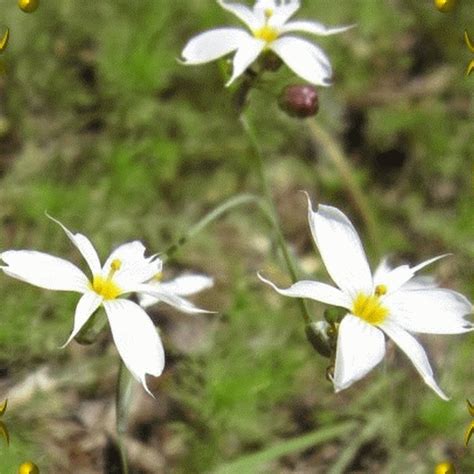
[269, 30]
[125, 271]
[387, 302]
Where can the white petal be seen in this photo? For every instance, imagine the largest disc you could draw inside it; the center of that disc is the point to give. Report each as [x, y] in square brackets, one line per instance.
[242, 12]
[186, 285]
[84, 246]
[314, 290]
[45, 271]
[86, 307]
[135, 268]
[314, 28]
[400, 276]
[284, 12]
[169, 298]
[420, 283]
[431, 311]
[213, 44]
[415, 352]
[182, 286]
[136, 338]
[304, 58]
[246, 54]
[360, 347]
[341, 249]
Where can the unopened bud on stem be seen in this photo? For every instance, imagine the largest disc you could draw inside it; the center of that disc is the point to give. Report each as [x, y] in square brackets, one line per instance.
[299, 100]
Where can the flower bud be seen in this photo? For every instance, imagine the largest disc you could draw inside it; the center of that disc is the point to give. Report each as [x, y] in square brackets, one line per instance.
[299, 100]
[28, 6]
[444, 468]
[318, 335]
[445, 6]
[28, 467]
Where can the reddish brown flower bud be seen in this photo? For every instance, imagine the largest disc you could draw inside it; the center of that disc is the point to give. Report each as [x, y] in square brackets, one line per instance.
[299, 100]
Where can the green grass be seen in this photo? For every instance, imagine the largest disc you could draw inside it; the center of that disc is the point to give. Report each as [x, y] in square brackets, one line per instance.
[104, 129]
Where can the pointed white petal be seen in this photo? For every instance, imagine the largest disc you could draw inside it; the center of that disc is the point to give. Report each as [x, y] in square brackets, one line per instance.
[400, 276]
[313, 290]
[182, 286]
[246, 54]
[415, 352]
[136, 338]
[283, 13]
[86, 307]
[84, 246]
[304, 58]
[213, 44]
[242, 12]
[45, 271]
[314, 28]
[169, 298]
[135, 268]
[186, 285]
[341, 249]
[431, 311]
[420, 283]
[360, 347]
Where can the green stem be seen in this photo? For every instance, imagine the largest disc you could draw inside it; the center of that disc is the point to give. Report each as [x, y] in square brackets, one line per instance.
[122, 405]
[267, 194]
[213, 215]
[344, 168]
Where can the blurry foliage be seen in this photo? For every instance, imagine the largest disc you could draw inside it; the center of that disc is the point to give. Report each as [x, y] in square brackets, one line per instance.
[103, 128]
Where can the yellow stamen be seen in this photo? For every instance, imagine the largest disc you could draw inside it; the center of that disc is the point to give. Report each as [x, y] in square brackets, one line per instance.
[158, 277]
[105, 287]
[268, 12]
[3, 407]
[381, 290]
[4, 40]
[369, 308]
[28, 467]
[266, 33]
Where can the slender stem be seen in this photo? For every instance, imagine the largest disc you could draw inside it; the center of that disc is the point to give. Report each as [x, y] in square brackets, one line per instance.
[213, 215]
[344, 168]
[260, 169]
[122, 405]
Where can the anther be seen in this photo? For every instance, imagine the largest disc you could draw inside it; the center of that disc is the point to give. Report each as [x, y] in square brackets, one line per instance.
[114, 267]
[380, 290]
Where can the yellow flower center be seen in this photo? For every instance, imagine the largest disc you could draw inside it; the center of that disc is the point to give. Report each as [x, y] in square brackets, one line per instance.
[266, 33]
[369, 308]
[106, 287]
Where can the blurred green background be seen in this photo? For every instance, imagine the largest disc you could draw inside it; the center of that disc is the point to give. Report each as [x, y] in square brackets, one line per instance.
[104, 129]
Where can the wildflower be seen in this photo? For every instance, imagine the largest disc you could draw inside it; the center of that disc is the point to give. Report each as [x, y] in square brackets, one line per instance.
[378, 304]
[445, 468]
[126, 271]
[269, 30]
[445, 6]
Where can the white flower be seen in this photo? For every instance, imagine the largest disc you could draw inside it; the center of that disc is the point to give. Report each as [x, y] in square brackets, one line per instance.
[127, 270]
[269, 30]
[383, 303]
